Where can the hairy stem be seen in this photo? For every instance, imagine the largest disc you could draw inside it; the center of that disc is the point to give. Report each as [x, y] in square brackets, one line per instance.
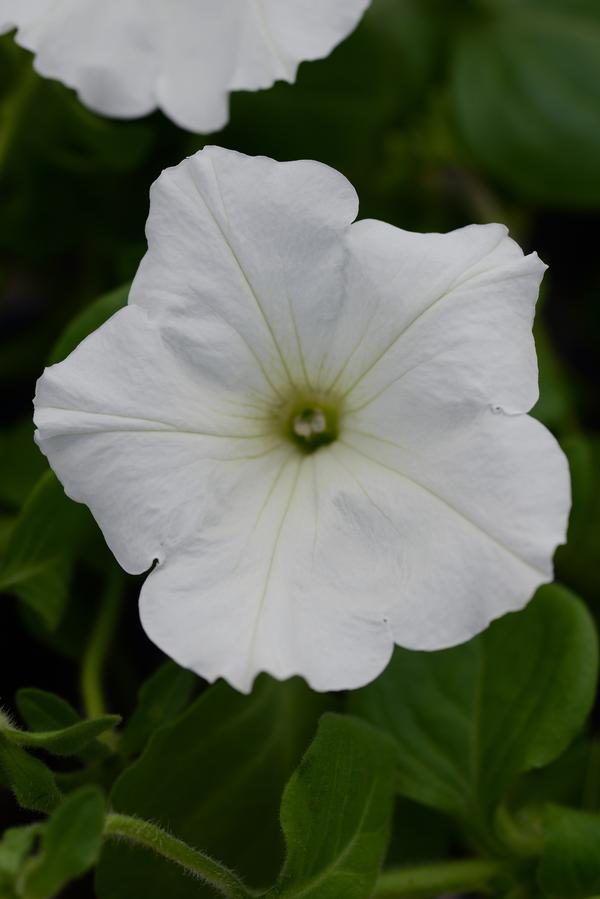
[97, 649]
[435, 879]
[143, 833]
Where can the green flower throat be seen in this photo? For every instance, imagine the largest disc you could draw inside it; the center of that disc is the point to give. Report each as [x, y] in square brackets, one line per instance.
[311, 424]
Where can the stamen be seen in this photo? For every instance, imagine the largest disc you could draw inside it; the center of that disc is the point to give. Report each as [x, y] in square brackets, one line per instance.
[309, 423]
[311, 426]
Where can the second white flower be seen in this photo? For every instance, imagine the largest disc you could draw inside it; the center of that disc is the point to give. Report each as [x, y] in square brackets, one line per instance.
[126, 58]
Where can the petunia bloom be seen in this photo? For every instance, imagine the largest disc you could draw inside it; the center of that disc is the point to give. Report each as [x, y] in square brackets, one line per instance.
[316, 429]
[126, 58]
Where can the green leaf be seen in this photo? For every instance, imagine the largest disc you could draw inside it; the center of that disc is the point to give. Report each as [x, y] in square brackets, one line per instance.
[15, 846]
[70, 845]
[568, 780]
[21, 464]
[570, 864]
[68, 741]
[556, 403]
[467, 720]
[214, 778]
[31, 781]
[335, 813]
[526, 86]
[45, 711]
[577, 561]
[38, 561]
[87, 321]
[162, 698]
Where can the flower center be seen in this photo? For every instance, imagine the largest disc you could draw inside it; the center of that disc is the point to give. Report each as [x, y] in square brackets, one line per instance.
[312, 425]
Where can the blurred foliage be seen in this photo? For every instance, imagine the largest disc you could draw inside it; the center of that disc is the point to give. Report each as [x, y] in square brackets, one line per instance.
[537, 669]
[442, 113]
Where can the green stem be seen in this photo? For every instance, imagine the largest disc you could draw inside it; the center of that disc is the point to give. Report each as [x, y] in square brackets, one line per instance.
[521, 835]
[11, 112]
[98, 646]
[143, 833]
[435, 879]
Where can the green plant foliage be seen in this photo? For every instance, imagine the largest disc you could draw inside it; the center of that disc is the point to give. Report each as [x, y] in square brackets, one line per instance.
[80, 140]
[448, 711]
[38, 560]
[335, 813]
[570, 864]
[419, 834]
[216, 772]
[71, 844]
[570, 780]
[526, 87]
[15, 846]
[161, 699]
[43, 711]
[30, 780]
[67, 741]
[22, 463]
[578, 559]
[87, 321]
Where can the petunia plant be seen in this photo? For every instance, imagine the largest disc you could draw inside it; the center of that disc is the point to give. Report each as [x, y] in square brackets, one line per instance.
[299, 536]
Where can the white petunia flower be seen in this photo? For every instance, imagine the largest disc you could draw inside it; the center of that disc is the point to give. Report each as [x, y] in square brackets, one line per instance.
[126, 58]
[316, 428]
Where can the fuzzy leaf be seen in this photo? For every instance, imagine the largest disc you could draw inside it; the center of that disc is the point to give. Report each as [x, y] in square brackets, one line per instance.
[467, 720]
[70, 845]
[15, 846]
[30, 780]
[68, 741]
[43, 711]
[335, 813]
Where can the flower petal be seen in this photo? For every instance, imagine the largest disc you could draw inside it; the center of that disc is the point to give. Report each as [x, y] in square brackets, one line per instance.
[201, 43]
[281, 33]
[13, 15]
[268, 586]
[260, 244]
[126, 57]
[478, 515]
[108, 52]
[444, 316]
[132, 431]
